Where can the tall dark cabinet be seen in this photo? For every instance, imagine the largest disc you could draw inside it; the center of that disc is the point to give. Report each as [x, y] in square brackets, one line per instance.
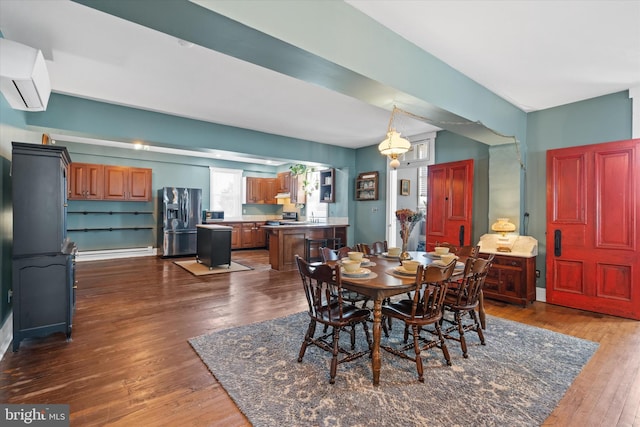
[43, 258]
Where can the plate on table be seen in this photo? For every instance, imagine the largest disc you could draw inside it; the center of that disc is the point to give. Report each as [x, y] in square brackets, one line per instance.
[361, 272]
[432, 255]
[459, 264]
[386, 255]
[365, 261]
[403, 271]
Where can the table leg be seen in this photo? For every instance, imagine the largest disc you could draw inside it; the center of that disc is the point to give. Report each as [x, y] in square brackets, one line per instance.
[481, 313]
[377, 331]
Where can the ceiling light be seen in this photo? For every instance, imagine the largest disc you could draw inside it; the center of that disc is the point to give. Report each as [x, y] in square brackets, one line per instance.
[394, 144]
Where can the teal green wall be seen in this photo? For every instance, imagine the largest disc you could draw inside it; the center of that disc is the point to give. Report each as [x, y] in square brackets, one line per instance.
[9, 120]
[111, 122]
[370, 226]
[603, 119]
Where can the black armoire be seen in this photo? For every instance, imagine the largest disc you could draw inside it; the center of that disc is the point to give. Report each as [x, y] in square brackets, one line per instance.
[43, 273]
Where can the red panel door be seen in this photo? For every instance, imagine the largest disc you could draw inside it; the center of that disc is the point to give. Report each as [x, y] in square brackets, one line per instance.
[593, 234]
[450, 203]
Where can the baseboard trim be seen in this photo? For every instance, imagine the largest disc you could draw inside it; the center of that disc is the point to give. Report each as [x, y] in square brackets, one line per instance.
[6, 335]
[541, 294]
[116, 253]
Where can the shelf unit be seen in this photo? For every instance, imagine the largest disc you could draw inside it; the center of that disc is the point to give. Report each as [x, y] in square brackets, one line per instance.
[327, 186]
[367, 186]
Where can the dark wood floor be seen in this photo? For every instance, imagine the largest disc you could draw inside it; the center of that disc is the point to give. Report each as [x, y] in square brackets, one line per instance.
[130, 364]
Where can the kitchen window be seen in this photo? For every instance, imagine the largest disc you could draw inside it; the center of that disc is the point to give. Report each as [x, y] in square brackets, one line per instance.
[226, 192]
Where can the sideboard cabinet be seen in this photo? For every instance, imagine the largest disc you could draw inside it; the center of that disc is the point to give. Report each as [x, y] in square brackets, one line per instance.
[511, 279]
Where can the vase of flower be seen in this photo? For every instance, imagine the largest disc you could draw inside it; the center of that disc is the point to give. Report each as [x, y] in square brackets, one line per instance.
[408, 220]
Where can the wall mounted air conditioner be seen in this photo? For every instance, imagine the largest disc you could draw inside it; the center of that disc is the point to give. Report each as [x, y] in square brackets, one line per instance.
[24, 80]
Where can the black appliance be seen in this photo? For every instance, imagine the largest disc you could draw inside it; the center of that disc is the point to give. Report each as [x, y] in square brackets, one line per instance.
[180, 210]
[286, 218]
[43, 275]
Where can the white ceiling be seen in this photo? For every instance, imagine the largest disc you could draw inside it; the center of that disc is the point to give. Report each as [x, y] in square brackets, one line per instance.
[535, 54]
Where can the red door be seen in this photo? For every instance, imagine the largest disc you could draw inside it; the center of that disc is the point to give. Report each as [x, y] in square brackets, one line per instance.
[593, 234]
[450, 203]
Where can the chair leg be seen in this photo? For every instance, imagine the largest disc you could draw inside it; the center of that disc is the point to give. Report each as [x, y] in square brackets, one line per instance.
[443, 344]
[334, 359]
[352, 333]
[311, 330]
[416, 347]
[463, 341]
[478, 327]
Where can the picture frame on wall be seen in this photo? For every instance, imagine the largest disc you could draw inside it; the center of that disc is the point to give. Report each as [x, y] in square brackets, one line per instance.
[405, 187]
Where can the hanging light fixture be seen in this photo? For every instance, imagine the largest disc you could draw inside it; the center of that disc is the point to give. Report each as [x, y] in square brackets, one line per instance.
[394, 144]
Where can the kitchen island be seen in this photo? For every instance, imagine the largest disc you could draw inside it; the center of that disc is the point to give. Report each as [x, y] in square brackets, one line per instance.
[288, 240]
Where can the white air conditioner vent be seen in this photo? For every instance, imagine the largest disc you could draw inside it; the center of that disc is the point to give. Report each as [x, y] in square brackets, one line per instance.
[24, 80]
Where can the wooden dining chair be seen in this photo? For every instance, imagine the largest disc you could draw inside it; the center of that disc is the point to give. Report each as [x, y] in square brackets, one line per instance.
[469, 251]
[364, 248]
[349, 296]
[424, 309]
[461, 302]
[452, 248]
[323, 290]
[379, 247]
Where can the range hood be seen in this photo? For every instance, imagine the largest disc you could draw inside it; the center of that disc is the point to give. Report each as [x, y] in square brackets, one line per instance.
[283, 196]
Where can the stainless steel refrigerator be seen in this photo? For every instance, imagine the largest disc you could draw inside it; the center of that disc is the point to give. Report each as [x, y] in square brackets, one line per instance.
[180, 210]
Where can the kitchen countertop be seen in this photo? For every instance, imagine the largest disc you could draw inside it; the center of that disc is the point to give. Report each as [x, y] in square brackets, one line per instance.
[305, 224]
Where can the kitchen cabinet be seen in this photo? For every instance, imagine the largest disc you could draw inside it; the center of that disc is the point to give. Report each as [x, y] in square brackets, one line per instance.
[270, 191]
[253, 235]
[127, 183]
[296, 190]
[327, 186]
[261, 191]
[511, 279]
[367, 186]
[86, 181]
[236, 230]
[284, 182]
[255, 192]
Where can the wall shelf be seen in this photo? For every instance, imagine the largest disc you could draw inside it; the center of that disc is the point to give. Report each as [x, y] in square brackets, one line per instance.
[367, 186]
[327, 186]
[110, 229]
[110, 212]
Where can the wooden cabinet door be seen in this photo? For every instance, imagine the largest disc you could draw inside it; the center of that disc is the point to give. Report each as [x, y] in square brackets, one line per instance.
[593, 236]
[450, 203]
[296, 190]
[260, 237]
[253, 190]
[125, 183]
[247, 237]
[86, 181]
[284, 181]
[235, 236]
[115, 182]
[270, 190]
[139, 184]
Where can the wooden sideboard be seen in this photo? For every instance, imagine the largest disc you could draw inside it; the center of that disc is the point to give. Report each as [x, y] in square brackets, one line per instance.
[511, 279]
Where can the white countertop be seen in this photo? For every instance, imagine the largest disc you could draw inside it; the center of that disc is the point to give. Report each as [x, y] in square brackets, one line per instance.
[521, 246]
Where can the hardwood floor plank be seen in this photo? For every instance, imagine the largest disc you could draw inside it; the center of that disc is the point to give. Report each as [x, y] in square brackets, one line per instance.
[129, 361]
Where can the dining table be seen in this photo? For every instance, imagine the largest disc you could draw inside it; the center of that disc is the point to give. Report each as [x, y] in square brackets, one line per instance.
[386, 278]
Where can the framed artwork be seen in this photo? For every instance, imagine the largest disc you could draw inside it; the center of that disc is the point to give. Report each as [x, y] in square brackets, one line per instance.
[405, 186]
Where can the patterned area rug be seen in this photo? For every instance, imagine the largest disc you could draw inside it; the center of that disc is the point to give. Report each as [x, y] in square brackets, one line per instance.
[517, 379]
[198, 269]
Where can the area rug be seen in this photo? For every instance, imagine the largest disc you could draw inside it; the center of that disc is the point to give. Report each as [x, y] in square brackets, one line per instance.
[517, 379]
[198, 269]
